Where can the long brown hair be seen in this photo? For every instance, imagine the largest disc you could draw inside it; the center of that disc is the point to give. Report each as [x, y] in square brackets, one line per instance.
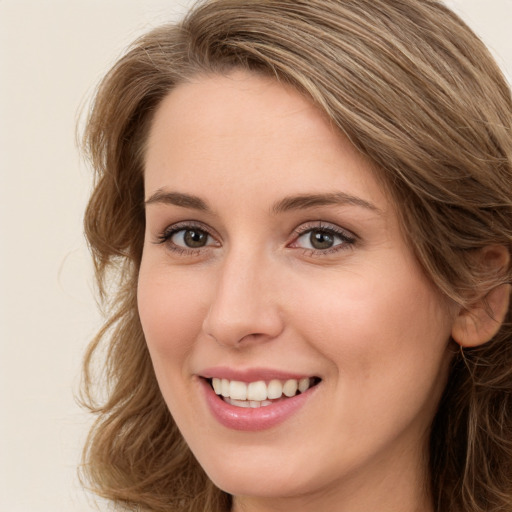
[414, 90]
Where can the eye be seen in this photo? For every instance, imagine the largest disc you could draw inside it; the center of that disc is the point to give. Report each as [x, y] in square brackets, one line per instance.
[319, 239]
[192, 238]
[186, 238]
[322, 239]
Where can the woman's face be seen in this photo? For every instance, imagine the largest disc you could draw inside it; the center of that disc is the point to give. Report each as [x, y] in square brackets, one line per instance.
[273, 259]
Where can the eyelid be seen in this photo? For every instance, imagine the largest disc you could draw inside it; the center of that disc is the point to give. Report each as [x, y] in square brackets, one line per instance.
[165, 236]
[323, 225]
[348, 237]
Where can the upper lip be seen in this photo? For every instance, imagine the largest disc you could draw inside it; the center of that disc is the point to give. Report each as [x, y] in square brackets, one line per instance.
[251, 374]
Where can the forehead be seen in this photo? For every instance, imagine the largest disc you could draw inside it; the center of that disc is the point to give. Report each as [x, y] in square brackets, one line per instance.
[246, 132]
[236, 108]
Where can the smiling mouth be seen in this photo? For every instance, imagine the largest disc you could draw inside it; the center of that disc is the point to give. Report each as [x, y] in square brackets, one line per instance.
[260, 393]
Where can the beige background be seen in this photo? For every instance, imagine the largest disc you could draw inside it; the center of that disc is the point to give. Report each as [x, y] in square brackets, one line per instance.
[52, 53]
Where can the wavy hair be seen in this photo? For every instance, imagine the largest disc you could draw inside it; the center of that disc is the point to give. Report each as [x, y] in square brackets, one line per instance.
[417, 92]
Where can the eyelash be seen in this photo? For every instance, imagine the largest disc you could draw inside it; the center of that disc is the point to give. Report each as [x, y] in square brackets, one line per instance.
[347, 238]
[169, 232]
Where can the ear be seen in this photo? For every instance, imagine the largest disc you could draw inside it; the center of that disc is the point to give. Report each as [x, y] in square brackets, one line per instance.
[482, 320]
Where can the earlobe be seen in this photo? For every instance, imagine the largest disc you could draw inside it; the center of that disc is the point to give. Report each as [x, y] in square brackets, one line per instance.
[482, 320]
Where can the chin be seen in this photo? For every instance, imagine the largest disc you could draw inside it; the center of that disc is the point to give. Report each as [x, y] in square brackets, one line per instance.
[262, 475]
[264, 485]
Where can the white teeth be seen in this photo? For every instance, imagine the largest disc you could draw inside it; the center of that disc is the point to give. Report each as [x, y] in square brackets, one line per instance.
[247, 403]
[238, 403]
[217, 386]
[225, 387]
[259, 393]
[274, 389]
[238, 390]
[290, 387]
[304, 384]
[255, 404]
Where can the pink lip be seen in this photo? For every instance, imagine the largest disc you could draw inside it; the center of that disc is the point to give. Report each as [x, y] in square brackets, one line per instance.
[249, 419]
[249, 375]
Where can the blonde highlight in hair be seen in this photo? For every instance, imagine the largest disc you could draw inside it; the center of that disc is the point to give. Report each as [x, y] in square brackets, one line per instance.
[416, 92]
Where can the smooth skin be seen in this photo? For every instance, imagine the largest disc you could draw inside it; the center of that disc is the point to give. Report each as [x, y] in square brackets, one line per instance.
[240, 271]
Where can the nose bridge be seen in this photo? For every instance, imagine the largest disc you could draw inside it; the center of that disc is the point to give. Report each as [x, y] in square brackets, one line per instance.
[244, 306]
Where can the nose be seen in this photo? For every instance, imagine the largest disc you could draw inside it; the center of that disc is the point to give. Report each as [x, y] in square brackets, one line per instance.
[245, 304]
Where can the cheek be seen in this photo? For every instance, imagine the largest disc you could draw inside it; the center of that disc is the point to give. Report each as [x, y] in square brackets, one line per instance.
[386, 340]
[171, 314]
[379, 325]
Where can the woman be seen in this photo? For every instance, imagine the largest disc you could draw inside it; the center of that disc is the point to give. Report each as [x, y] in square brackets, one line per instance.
[306, 208]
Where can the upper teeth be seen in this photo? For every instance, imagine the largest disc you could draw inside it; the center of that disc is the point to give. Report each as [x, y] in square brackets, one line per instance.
[259, 390]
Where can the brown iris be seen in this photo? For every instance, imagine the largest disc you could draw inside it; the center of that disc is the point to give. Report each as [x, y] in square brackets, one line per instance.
[195, 238]
[321, 239]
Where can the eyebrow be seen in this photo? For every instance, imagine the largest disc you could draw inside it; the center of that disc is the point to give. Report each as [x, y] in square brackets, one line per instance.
[305, 201]
[178, 199]
[298, 202]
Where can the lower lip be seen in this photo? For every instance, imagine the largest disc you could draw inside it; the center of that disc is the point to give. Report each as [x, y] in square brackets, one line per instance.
[253, 419]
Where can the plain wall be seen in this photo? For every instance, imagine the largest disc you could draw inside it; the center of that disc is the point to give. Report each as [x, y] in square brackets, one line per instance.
[52, 54]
